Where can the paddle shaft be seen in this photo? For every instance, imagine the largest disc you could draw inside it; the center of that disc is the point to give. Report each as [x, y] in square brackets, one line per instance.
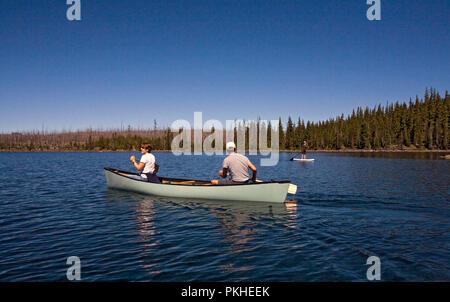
[294, 156]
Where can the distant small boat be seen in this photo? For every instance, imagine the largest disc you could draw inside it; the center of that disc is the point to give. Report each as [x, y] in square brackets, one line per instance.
[300, 159]
[274, 191]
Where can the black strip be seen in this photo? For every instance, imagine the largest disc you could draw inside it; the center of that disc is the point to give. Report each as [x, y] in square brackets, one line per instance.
[277, 291]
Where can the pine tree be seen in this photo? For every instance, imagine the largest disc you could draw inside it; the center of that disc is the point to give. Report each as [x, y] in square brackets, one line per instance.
[365, 136]
[289, 144]
[281, 134]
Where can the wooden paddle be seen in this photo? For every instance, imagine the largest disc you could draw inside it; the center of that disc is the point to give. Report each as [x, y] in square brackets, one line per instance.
[181, 182]
[292, 189]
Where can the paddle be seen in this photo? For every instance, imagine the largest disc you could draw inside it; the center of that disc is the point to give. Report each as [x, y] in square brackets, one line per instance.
[292, 189]
[294, 157]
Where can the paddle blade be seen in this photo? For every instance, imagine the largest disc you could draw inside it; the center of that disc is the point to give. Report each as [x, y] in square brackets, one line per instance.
[292, 189]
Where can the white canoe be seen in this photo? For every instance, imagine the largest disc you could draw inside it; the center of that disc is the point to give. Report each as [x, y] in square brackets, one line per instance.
[274, 191]
[307, 159]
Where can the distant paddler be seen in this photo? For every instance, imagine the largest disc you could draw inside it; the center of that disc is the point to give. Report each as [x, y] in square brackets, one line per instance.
[238, 165]
[304, 147]
[147, 164]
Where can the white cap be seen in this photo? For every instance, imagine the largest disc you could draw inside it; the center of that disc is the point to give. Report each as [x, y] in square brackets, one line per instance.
[231, 146]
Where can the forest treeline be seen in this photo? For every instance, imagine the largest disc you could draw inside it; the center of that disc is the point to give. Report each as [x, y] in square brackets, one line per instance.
[418, 124]
[88, 140]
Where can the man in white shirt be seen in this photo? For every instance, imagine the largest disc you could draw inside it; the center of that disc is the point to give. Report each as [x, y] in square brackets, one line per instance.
[147, 164]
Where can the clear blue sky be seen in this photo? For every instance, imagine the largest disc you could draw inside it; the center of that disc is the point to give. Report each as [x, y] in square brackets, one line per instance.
[129, 62]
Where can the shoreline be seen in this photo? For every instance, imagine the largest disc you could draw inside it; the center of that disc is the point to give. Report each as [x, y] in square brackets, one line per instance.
[375, 151]
[281, 151]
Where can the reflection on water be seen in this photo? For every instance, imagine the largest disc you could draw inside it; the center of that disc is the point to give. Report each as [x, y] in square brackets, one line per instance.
[238, 233]
[292, 213]
[237, 224]
[237, 229]
[146, 226]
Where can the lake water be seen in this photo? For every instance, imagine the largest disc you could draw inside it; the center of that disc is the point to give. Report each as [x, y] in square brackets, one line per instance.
[349, 207]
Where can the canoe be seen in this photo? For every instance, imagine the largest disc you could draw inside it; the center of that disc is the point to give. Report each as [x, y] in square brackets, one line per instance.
[307, 159]
[274, 191]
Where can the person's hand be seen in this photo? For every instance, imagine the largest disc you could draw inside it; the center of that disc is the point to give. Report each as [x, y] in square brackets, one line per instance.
[133, 159]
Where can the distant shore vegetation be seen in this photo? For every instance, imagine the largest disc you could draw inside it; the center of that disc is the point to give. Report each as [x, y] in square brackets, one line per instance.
[420, 124]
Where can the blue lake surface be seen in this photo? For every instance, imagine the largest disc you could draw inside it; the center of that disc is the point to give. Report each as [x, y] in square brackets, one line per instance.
[349, 206]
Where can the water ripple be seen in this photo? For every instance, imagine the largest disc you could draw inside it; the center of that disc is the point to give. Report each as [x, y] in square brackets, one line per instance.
[348, 208]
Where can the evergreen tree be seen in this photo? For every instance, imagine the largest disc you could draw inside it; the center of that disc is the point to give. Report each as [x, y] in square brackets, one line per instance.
[281, 134]
[289, 140]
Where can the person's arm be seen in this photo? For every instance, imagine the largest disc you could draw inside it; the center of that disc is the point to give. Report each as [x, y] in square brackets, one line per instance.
[156, 168]
[139, 166]
[253, 168]
[224, 173]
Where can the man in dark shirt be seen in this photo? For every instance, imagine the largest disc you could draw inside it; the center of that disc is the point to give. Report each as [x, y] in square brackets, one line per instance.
[304, 147]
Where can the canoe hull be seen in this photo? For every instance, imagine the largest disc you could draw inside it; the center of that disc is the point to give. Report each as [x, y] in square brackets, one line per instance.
[307, 159]
[259, 192]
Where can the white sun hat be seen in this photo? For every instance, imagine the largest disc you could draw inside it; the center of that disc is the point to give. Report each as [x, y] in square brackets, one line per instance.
[231, 146]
